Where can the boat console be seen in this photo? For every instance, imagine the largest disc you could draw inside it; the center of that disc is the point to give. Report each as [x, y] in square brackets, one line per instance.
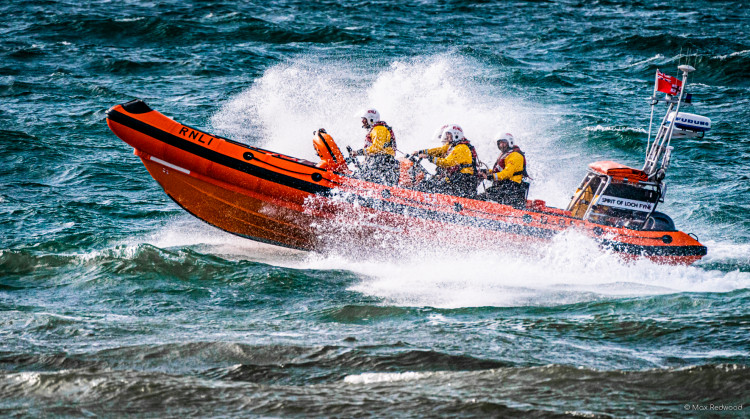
[616, 195]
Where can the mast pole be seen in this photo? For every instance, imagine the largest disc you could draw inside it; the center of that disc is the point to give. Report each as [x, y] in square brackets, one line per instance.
[685, 70]
[651, 119]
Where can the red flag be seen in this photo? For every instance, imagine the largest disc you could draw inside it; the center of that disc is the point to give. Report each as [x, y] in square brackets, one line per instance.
[667, 84]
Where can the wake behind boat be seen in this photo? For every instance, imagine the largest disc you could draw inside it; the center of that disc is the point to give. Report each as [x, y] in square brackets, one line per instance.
[318, 206]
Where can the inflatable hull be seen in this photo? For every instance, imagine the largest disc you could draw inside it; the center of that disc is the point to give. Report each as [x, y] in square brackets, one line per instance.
[291, 202]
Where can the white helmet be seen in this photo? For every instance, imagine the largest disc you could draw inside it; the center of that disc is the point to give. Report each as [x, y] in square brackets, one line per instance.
[371, 115]
[506, 136]
[439, 133]
[456, 132]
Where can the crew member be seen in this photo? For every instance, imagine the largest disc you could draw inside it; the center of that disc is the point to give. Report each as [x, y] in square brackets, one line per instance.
[457, 163]
[379, 151]
[508, 173]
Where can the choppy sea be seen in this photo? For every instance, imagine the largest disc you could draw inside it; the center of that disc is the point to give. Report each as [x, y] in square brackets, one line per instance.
[115, 302]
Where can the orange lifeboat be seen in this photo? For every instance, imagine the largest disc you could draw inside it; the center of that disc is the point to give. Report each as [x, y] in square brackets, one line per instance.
[291, 202]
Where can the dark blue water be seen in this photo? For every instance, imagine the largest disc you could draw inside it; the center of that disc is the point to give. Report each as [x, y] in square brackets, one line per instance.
[115, 302]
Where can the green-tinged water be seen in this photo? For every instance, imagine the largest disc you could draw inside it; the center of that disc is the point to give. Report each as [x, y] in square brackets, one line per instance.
[115, 302]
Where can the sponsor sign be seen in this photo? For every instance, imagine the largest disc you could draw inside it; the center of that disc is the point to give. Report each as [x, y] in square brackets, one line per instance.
[628, 204]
